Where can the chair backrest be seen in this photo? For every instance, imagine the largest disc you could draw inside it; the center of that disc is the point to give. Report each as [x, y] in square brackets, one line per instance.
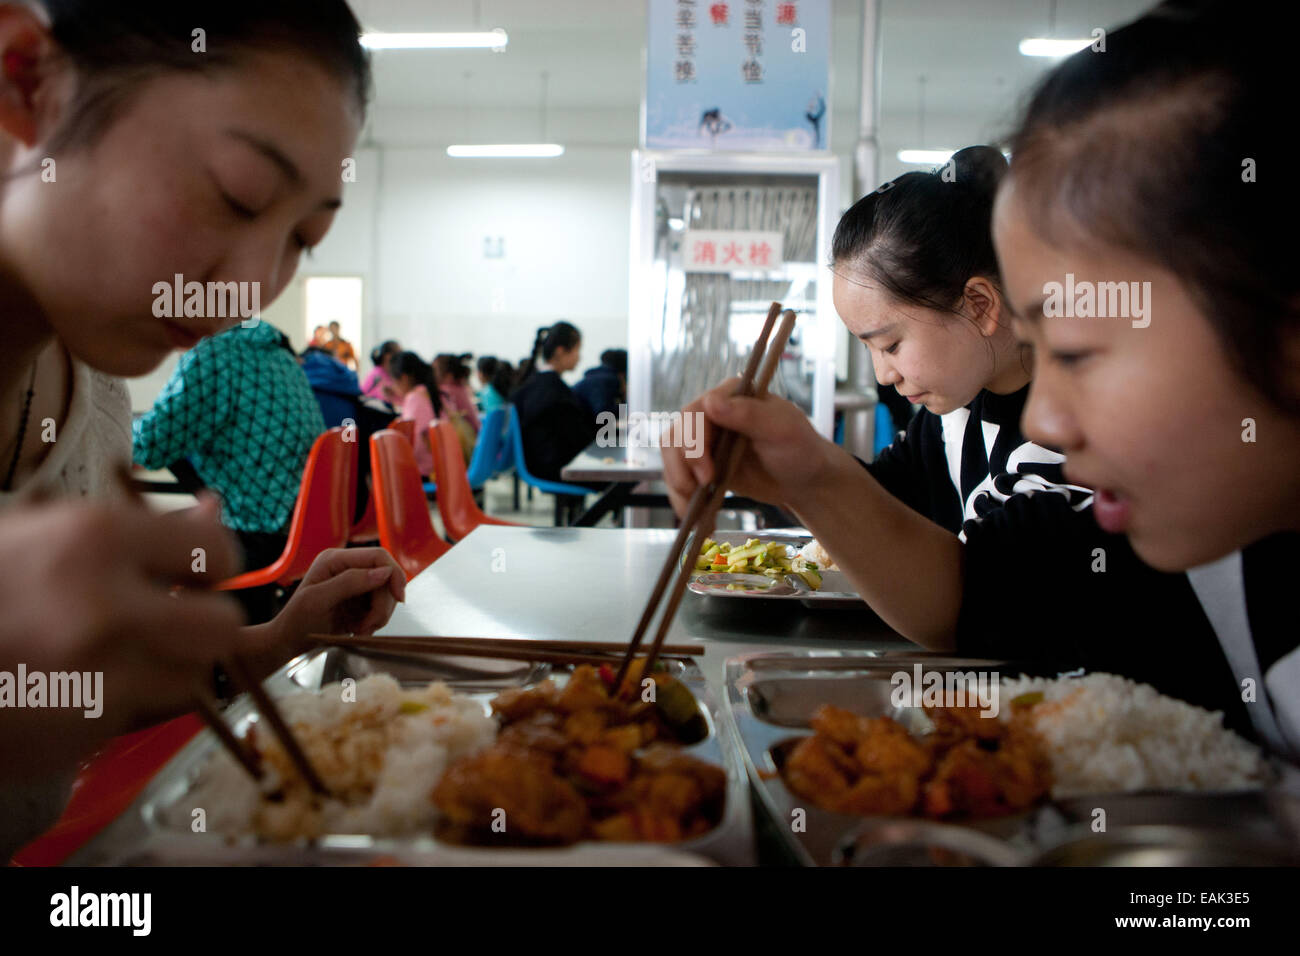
[322, 517]
[401, 509]
[460, 513]
[406, 428]
[516, 435]
[487, 451]
[506, 455]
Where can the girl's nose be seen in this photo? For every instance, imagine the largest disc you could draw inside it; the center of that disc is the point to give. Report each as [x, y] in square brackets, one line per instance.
[1048, 418]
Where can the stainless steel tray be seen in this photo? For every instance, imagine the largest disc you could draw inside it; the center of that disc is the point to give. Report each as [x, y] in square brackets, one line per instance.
[141, 836]
[770, 698]
[836, 589]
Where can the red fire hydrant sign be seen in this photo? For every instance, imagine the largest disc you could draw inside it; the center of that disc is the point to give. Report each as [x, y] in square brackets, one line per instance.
[729, 250]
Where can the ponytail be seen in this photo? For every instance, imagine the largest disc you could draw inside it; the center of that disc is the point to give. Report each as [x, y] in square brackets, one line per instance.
[421, 372]
[529, 367]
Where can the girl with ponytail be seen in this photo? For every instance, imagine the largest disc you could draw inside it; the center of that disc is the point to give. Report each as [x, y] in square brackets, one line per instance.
[916, 280]
[556, 424]
[417, 388]
[558, 347]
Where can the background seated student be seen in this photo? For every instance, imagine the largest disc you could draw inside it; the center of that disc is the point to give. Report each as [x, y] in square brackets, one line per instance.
[240, 409]
[488, 398]
[555, 424]
[604, 387]
[453, 386]
[342, 404]
[333, 383]
[378, 382]
[142, 132]
[421, 403]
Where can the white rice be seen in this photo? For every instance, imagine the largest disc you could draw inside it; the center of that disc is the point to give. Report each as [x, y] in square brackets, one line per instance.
[380, 763]
[1106, 733]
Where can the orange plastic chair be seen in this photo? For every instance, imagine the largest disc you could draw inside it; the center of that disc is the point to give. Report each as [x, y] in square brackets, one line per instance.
[460, 513]
[405, 427]
[405, 529]
[322, 517]
[367, 527]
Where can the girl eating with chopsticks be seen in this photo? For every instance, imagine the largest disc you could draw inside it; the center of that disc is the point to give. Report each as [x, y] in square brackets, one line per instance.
[137, 148]
[916, 280]
[1135, 166]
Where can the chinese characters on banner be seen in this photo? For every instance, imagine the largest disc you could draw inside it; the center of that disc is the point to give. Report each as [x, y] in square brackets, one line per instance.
[737, 74]
[731, 250]
[684, 66]
[751, 68]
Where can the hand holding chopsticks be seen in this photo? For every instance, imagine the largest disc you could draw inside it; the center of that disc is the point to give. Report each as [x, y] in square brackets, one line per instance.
[701, 512]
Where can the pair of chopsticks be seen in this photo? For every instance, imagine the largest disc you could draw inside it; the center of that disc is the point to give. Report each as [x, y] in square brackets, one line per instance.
[727, 450]
[245, 680]
[500, 648]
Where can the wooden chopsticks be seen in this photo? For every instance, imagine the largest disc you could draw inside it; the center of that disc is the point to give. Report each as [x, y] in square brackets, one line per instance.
[245, 679]
[728, 449]
[500, 648]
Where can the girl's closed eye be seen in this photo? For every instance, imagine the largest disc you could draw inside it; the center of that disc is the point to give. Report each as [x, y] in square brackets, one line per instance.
[1070, 359]
[239, 209]
[892, 350]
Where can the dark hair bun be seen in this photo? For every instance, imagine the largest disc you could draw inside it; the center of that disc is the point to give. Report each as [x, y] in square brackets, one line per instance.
[981, 167]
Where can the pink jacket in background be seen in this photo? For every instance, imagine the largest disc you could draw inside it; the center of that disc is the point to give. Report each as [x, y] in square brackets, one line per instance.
[458, 396]
[417, 407]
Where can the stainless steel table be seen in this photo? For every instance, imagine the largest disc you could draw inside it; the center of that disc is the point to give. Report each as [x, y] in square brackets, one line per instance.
[624, 469]
[627, 465]
[591, 584]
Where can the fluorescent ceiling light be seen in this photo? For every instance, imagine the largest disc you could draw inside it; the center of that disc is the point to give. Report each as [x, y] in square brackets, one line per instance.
[507, 151]
[483, 40]
[1044, 46]
[925, 157]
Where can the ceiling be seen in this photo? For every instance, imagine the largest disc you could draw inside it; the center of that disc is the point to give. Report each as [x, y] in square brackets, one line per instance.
[592, 51]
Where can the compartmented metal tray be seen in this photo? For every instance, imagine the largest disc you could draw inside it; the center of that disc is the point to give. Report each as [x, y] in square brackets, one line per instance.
[143, 835]
[770, 698]
[836, 589]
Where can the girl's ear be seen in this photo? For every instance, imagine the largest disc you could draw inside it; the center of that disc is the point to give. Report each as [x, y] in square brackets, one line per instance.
[982, 303]
[25, 65]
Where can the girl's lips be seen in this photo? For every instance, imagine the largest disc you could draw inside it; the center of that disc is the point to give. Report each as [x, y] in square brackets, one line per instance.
[916, 398]
[181, 337]
[1111, 511]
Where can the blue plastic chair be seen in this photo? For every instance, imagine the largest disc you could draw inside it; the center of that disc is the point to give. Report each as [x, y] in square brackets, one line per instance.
[884, 429]
[488, 450]
[528, 478]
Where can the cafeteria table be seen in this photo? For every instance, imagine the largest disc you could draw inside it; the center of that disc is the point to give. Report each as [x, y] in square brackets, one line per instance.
[591, 584]
[624, 469]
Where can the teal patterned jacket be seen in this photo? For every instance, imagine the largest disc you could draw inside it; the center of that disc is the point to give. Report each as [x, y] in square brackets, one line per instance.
[239, 408]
